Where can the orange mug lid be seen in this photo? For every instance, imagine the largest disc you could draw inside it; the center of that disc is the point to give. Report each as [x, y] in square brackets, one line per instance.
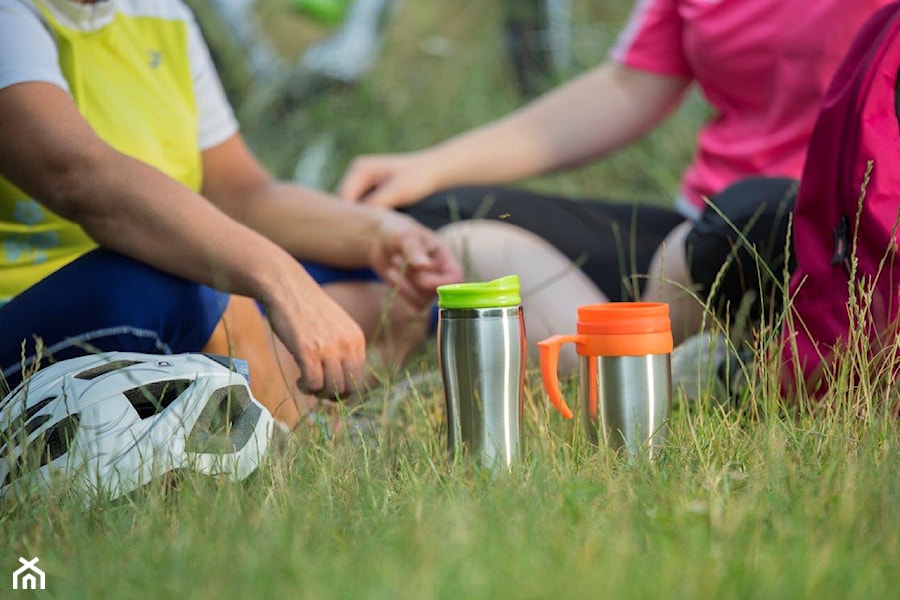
[623, 318]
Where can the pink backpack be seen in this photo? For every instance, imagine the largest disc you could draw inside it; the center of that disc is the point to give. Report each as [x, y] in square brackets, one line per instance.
[841, 242]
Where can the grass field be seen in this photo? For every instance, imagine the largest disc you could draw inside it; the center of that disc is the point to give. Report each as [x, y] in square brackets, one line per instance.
[760, 501]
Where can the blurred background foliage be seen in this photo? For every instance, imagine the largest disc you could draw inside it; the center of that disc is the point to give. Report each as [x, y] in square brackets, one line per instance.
[443, 67]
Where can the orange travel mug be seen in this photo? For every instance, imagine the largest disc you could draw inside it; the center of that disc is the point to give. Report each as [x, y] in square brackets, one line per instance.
[625, 374]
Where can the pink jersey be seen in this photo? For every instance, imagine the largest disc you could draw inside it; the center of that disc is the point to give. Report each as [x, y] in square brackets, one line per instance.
[763, 65]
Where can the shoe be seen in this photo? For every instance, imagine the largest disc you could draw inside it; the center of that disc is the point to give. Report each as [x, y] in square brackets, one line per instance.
[707, 365]
[390, 409]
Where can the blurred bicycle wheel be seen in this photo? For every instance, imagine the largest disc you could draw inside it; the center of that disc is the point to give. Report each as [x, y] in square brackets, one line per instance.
[548, 41]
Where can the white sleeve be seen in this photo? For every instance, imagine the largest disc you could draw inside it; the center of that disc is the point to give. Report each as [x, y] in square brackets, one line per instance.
[217, 120]
[27, 47]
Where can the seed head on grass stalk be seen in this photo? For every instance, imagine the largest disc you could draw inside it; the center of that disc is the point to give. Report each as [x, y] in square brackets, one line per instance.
[858, 374]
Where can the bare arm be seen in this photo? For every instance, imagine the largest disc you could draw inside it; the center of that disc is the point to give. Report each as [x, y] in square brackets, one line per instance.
[586, 118]
[307, 222]
[52, 153]
[313, 225]
[125, 205]
[590, 116]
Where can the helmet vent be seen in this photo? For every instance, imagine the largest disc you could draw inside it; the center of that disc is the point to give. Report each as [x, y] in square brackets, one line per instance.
[59, 438]
[106, 368]
[151, 399]
[226, 422]
[46, 448]
[13, 432]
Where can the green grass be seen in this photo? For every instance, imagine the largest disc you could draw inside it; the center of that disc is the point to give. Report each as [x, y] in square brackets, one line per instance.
[737, 507]
[765, 501]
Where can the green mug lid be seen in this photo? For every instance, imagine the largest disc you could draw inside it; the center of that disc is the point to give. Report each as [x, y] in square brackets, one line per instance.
[498, 293]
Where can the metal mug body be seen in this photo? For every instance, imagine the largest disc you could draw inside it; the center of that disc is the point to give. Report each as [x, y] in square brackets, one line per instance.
[626, 401]
[482, 357]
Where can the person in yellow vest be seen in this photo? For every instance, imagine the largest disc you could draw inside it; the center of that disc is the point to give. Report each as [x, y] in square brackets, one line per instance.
[133, 217]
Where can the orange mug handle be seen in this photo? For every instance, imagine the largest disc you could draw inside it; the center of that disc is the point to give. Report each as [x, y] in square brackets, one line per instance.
[548, 351]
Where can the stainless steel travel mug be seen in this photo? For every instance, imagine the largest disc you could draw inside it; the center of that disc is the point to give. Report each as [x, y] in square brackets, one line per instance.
[481, 350]
[625, 400]
[625, 374]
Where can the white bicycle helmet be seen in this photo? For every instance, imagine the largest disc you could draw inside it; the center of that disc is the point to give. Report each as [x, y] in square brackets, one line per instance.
[113, 421]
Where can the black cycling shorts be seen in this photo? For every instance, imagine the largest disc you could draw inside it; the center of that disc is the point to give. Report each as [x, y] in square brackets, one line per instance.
[612, 242]
[737, 248]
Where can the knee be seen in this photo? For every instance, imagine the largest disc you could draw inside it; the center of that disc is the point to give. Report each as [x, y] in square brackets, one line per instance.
[737, 266]
[669, 276]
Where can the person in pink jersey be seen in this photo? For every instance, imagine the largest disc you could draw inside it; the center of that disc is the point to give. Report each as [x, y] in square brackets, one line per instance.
[762, 65]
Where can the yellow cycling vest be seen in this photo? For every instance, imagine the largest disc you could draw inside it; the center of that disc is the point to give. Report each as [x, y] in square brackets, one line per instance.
[131, 79]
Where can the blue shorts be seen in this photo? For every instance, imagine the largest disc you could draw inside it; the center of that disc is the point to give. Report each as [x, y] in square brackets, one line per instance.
[104, 301]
